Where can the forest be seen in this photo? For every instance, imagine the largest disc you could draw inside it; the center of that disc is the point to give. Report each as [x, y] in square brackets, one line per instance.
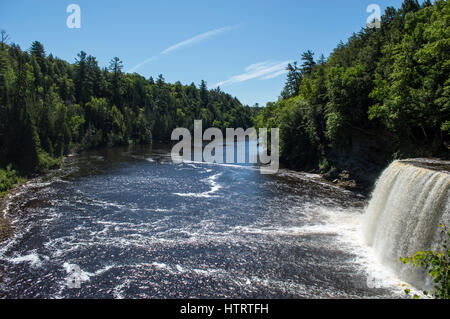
[50, 107]
[382, 95]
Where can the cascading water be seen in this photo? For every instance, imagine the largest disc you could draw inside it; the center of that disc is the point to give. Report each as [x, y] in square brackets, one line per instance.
[410, 200]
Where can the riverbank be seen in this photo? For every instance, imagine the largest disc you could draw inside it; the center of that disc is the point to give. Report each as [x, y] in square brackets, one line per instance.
[6, 229]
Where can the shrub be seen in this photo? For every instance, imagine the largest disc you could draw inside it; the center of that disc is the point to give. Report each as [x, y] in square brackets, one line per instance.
[8, 178]
[438, 266]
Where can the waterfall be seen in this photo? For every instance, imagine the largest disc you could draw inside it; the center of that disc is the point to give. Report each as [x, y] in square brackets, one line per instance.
[410, 200]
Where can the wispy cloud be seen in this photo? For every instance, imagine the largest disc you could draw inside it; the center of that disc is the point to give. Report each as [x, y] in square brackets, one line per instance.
[137, 66]
[198, 38]
[263, 70]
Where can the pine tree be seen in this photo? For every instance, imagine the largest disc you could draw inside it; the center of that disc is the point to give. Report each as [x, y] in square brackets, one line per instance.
[308, 62]
[37, 49]
[116, 66]
[294, 79]
[204, 93]
[80, 78]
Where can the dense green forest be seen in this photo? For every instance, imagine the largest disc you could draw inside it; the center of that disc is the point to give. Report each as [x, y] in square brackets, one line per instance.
[49, 107]
[384, 94]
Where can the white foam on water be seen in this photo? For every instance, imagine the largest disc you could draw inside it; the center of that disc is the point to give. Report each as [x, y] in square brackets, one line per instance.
[82, 275]
[117, 291]
[179, 268]
[347, 224]
[343, 225]
[288, 231]
[32, 258]
[161, 210]
[159, 265]
[214, 188]
[239, 166]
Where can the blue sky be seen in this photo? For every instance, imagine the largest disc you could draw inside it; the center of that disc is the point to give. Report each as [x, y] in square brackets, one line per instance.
[242, 46]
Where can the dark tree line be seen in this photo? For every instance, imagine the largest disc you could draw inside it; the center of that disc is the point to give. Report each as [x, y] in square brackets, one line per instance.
[49, 107]
[384, 94]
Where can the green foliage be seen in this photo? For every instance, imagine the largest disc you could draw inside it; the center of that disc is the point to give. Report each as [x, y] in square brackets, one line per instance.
[47, 162]
[50, 107]
[8, 178]
[346, 92]
[437, 264]
[412, 86]
[294, 79]
[388, 86]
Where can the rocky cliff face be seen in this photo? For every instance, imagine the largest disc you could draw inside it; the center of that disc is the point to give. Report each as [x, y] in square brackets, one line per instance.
[359, 166]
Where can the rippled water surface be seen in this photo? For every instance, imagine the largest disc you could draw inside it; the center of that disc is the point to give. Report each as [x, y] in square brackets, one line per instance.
[128, 223]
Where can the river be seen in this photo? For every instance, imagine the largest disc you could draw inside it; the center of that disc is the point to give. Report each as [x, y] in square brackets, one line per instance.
[126, 222]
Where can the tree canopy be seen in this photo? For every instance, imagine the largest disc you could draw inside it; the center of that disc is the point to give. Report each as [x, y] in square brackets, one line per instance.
[384, 93]
[49, 107]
